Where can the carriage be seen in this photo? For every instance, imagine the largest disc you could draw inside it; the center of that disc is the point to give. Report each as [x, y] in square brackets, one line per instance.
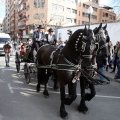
[66, 64]
[24, 56]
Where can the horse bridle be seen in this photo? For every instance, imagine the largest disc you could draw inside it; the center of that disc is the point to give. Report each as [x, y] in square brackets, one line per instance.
[83, 47]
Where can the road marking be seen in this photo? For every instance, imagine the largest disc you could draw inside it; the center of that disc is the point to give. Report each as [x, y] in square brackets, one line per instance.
[10, 88]
[33, 91]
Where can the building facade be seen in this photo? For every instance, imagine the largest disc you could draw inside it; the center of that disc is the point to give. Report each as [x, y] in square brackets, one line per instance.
[7, 17]
[106, 14]
[54, 13]
[13, 18]
[1, 28]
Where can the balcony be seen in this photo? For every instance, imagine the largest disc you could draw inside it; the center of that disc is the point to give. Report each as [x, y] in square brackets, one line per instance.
[21, 26]
[23, 18]
[22, 11]
[22, 1]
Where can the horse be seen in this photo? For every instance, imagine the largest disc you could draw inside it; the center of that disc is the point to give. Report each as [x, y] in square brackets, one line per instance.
[65, 63]
[101, 37]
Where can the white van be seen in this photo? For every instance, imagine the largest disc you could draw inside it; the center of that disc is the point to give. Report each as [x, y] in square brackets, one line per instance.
[3, 38]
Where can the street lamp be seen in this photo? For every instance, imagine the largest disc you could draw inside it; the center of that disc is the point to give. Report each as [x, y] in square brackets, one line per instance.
[89, 11]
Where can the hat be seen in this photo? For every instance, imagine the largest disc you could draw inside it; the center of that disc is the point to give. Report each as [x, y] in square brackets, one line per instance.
[40, 27]
[50, 30]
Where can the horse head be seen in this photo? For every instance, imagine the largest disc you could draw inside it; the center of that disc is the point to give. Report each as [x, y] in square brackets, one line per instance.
[80, 46]
[101, 36]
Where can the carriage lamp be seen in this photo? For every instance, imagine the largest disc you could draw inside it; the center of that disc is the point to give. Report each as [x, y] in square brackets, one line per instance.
[89, 11]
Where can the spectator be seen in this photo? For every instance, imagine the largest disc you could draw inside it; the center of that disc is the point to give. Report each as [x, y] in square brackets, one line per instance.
[7, 48]
[117, 76]
[110, 53]
[115, 57]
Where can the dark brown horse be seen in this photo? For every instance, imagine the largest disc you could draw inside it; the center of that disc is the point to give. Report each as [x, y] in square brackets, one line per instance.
[83, 80]
[65, 63]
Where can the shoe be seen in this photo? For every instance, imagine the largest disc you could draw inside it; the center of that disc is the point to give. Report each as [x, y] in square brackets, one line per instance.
[112, 71]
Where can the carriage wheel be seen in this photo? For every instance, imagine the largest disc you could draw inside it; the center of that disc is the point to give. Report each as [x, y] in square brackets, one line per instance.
[17, 61]
[27, 73]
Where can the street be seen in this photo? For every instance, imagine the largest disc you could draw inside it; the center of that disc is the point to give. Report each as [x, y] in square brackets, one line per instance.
[20, 101]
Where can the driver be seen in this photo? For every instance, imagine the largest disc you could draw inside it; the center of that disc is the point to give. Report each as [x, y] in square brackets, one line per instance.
[38, 36]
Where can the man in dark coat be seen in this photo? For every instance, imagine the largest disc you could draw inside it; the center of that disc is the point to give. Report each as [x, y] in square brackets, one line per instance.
[51, 37]
[7, 48]
[38, 36]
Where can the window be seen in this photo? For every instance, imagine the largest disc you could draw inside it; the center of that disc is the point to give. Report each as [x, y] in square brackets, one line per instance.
[106, 14]
[85, 14]
[95, 1]
[69, 10]
[58, 18]
[94, 9]
[35, 3]
[103, 14]
[74, 11]
[85, 23]
[110, 17]
[85, 6]
[79, 13]
[69, 20]
[94, 16]
[39, 3]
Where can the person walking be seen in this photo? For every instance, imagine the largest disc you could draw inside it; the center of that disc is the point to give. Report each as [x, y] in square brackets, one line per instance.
[7, 48]
[51, 37]
[110, 53]
[38, 36]
[115, 57]
[117, 76]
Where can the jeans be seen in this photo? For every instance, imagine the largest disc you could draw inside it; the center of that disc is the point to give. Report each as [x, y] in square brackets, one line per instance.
[101, 69]
[7, 58]
[118, 67]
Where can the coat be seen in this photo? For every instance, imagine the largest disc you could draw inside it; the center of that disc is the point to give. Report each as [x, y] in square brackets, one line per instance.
[36, 36]
[7, 46]
[53, 41]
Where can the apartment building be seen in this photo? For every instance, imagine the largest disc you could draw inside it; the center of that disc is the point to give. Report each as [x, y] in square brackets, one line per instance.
[13, 18]
[106, 14]
[56, 13]
[22, 29]
[7, 17]
[1, 28]
[82, 12]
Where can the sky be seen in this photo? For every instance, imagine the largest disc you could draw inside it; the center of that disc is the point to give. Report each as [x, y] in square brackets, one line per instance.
[2, 6]
[2, 10]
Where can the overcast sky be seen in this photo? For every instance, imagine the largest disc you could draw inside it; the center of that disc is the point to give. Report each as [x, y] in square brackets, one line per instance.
[2, 7]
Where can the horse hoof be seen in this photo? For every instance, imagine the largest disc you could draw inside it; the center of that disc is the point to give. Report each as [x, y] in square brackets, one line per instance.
[46, 94]
[38, 88]
[64, 115]
[83, 110]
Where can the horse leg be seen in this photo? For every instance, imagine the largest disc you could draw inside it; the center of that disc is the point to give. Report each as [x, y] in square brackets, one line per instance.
[82, 107]
[39, 75]
[63, 113]
[46, 78]
[89, 96]
[72, 93]
[55, 86]
[45, 92]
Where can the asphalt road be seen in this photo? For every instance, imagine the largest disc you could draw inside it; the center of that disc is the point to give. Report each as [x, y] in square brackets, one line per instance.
[19, 101]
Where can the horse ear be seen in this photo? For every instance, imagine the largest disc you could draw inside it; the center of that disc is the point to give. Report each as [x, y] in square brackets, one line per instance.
[85, 29]
[100, 26]
[105, 27]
